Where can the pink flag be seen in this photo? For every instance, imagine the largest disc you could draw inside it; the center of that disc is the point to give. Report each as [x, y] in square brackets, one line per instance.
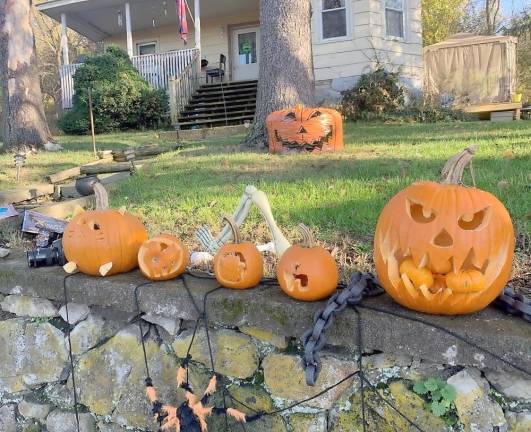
[183, 23]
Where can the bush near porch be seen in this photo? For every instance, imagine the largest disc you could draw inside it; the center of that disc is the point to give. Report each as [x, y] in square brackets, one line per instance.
[338, 195]
[122, 99]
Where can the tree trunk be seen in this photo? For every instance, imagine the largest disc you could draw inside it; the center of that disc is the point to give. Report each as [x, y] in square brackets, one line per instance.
[286, 75]
[24, 121]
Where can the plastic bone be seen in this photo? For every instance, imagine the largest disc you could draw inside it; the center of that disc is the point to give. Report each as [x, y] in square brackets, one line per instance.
[251, 196]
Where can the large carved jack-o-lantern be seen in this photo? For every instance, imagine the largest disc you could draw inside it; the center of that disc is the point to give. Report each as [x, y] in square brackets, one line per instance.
[305, 130]
[444, 248]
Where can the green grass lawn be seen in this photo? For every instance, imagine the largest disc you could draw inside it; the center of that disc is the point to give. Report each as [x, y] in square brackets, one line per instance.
[338, 195]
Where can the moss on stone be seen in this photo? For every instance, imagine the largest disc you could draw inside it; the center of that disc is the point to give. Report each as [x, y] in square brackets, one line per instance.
[253, 396]
[230, 308]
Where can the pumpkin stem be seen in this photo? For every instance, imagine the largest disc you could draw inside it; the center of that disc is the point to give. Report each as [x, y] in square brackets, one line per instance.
[452, 172]
[307, 237]
[236, 235]
[102, 197]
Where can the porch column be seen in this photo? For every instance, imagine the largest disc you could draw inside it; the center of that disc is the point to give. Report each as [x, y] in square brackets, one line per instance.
[128, 30]
[64, 40]
[197, 23]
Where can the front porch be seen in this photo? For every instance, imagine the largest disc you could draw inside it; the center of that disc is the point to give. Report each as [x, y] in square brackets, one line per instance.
[149, 32]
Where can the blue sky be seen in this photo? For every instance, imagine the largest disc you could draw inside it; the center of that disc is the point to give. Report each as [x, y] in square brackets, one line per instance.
[514, 5]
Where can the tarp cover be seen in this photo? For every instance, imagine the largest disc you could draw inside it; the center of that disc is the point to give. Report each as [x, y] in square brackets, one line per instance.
[470, 69]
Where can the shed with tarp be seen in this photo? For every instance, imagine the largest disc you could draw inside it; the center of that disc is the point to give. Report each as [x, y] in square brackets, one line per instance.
[469, 69]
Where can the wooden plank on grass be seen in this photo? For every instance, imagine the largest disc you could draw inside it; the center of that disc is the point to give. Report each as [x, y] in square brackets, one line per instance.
[142, 152]
[106, 168]
[12, 196]
[76, 171]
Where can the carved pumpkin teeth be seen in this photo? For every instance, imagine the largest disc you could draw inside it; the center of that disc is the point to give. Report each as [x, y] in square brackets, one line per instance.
[70, 267]
[409, 286]
[105, 268]
[424, 261]
[426, 292]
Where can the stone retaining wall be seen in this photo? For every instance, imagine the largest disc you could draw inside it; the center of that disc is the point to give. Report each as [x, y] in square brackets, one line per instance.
[256, 351]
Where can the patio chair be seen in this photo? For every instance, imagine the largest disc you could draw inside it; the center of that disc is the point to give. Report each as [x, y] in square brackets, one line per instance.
[218, 72]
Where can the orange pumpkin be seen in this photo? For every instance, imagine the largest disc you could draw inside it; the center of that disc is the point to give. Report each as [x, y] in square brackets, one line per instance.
[103, 242]
[163, 257]
[238, 265]
[444, 248]
[307, 272]
[305, 129]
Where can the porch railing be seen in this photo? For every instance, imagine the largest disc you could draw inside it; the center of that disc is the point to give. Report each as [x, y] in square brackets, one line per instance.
[157, 69]
[182, 88]
[66, 73]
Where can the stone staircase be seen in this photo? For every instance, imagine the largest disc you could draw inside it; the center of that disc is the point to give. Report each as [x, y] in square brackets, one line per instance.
[220, 104]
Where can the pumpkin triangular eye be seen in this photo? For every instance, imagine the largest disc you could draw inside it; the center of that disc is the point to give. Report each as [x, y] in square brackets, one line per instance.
[291, 115]
[315, 114]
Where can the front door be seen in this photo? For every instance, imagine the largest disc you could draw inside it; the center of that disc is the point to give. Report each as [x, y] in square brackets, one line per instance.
[245, 53]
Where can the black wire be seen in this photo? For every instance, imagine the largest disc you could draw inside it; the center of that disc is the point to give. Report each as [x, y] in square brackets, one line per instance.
[148, 376]
[205, 320]
[360, 367]
[450, 332]
[70, 354]
[322, 392]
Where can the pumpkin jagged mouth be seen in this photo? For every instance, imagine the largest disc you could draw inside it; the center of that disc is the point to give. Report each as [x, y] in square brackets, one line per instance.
[234, 266]
[296, 281]
[444, 281]
[302, 145]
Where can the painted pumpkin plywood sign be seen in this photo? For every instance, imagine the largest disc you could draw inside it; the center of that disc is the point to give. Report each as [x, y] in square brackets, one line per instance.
[305, 130]
[103, 242]
[307, 272]
[238, 265]
[444, 248]
[163, 257]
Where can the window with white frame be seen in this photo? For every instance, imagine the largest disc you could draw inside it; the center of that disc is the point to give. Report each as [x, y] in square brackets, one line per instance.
[334, 19]
[394, 18]
[147, 48]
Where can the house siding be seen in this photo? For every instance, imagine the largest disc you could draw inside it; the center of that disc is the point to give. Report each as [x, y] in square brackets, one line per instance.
[338, 64]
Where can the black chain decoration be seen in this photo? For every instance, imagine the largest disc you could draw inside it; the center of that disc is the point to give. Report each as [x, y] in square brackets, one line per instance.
[360, 285]
[513, 303]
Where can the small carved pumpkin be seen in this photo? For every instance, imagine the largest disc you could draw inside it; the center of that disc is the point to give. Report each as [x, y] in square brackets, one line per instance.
[238, 265]
[444, 248]
[305, 129]
[307, 272]
[103, 242]
[163, 257]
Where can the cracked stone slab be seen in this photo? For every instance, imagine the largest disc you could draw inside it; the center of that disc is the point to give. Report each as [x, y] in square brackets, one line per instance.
[269, 309]
[32, 354]
[76, 312]
[25, 306]
[7, 419]
[477, 412]
[33, 410]
[61, 421]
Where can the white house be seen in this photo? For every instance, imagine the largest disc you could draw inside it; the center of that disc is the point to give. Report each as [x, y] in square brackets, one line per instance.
[349, 37]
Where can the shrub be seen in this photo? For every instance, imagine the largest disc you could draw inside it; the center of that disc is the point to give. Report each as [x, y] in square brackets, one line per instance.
[376, 94]
[427, 112]
[122, 99]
